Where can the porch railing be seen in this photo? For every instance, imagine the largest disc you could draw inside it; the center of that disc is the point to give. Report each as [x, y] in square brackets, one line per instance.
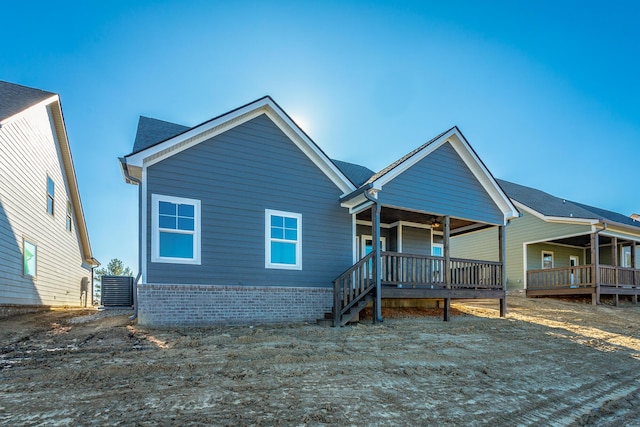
[428, 271]
[618, 276]
[352, 287]
[552, 278]
[582, 276]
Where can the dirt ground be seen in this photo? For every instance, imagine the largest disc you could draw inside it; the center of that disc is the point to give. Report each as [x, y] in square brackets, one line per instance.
[549, 362]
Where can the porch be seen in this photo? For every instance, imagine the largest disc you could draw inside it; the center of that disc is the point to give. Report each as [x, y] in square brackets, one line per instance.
[419, 266]
[610, 271]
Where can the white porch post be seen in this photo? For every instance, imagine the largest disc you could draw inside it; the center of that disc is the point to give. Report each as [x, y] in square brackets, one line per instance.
[614, 261]
[633, 265]
[595, 262]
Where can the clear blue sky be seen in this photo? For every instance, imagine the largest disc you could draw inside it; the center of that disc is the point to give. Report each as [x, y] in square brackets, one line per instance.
[547, 92]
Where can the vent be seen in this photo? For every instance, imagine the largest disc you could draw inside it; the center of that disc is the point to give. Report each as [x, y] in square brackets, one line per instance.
[117, 291]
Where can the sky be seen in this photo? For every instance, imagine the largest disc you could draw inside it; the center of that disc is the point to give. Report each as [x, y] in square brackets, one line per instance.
[546, 92]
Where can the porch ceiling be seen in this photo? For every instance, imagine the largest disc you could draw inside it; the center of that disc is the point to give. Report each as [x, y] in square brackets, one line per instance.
[584, 241]
[391, 215]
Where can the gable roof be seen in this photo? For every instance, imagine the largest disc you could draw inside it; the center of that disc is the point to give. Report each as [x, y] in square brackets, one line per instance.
[15, 98]
[456, 139]
[557, 207]
[147, 152]
[21, 98]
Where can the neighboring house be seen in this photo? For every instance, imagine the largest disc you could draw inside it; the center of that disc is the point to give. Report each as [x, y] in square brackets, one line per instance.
[245, 219]
[45, 256]
[559, 247]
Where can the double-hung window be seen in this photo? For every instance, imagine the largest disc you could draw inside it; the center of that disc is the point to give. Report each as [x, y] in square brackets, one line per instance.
[283, 240]
[175, 227]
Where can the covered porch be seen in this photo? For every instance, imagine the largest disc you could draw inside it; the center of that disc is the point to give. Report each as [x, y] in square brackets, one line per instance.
[411, 260]
[609, 267]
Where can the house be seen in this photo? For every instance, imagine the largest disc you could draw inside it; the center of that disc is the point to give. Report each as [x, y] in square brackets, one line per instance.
[243, 218]
[560, 247]
[45, 255]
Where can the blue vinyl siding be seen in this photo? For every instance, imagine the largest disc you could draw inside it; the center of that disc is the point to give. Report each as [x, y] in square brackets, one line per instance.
[416, 241]
[237, 175]
[441, 183]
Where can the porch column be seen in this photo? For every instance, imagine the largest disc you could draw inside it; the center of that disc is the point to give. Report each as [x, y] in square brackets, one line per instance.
[377, 271]
[614, 261]
[447, 263]
[502, 257]
[633, 265]
[595, 265]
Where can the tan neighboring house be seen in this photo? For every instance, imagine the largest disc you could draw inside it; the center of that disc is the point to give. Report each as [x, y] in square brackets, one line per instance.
[45, 255]
[560, 247]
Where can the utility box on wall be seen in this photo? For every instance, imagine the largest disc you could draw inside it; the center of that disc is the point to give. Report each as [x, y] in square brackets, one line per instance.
[117, 291]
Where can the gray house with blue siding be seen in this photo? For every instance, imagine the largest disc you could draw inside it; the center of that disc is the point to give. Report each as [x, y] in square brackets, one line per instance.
[244, 218]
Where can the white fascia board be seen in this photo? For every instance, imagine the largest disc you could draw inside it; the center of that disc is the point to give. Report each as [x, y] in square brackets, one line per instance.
[556, 219]
[226, 122]
[44, 102]
[621, 230]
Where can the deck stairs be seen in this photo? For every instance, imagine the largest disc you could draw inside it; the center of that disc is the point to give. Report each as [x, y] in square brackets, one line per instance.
[353, 290]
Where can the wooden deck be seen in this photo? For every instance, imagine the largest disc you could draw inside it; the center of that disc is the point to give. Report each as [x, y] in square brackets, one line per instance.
[410, 276]
[584, 280]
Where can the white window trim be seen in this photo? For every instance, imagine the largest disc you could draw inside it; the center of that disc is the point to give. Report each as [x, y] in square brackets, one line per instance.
[542, 259]
[155, 230]
[268, 213]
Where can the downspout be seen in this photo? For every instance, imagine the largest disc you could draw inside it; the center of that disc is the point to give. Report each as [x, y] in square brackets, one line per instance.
[376, 245]
[125, 171]
[93, 268]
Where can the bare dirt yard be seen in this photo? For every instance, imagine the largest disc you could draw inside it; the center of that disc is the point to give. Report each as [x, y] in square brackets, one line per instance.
[549, 362]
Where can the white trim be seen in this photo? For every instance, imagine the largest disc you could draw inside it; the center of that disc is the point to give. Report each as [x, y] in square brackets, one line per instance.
[399, 236]
[144, 237]
[268, 213]
[370, 224]
[354, 238]
[437, 245]
[155, 230]
[566, 236]
[365, 237]
[574, 257]
[45, 102]
[545, 251]
[207, 130]
[560, 219]
[524, 264]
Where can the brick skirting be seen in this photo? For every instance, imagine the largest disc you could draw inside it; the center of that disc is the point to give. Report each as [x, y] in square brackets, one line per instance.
[201, 305]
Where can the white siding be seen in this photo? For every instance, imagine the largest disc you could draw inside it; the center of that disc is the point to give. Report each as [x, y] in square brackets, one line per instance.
[28, 153]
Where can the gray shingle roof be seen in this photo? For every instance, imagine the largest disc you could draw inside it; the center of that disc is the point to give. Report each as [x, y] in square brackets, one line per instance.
[549, 205]
[357, 174]
[151, 131]
[16, 98]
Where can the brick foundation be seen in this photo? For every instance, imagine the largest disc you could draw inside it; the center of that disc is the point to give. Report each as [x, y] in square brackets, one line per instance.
[201, 305]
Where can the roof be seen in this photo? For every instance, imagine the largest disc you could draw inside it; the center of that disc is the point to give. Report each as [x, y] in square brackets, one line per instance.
[553, 206]
[151, 131]
[158, 139]
[356, 173]
[15, 98]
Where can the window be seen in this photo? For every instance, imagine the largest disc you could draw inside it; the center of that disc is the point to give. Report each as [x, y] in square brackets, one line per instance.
[69, 216]
[50, 194]
[283, 240]
[175, 228]
[547, 259]
[29, 252]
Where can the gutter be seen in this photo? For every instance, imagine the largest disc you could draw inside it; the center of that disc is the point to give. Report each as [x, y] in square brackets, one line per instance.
[133, 180]
[376, 244]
